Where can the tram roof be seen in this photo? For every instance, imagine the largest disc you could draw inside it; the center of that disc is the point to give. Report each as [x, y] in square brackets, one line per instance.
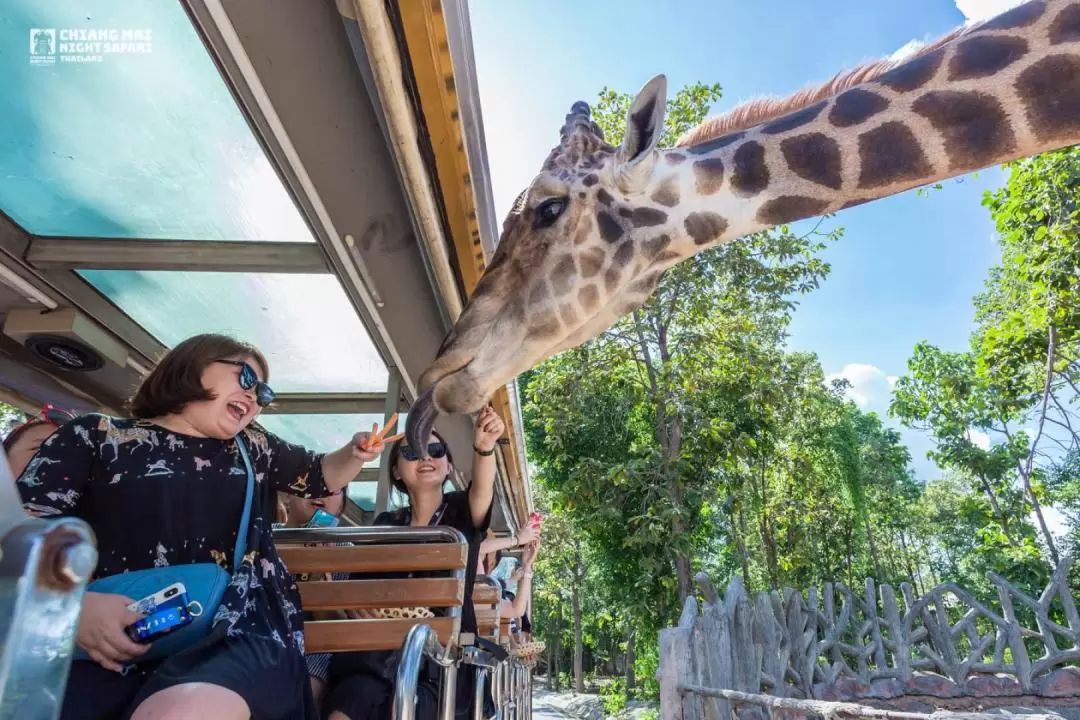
[309, 176]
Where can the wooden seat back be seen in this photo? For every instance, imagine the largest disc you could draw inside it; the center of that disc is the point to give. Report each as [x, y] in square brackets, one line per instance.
[380, 550]
[487, 594]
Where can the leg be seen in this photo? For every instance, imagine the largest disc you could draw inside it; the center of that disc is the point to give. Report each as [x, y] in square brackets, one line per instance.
[193, 701]
[336, 715]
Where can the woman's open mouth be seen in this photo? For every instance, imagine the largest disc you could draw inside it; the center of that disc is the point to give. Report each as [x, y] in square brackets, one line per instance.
[237, 410]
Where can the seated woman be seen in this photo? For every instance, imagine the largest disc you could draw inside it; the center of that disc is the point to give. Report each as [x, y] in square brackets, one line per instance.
[362, 684]
[514, 605]
[167, 488]
[298, 512]
[22, 443]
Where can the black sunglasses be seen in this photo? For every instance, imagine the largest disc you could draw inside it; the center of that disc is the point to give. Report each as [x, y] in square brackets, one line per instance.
[435, 451]
[250, 381]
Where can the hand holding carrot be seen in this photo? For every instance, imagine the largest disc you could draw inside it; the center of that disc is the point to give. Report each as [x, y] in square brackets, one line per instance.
[368, 446]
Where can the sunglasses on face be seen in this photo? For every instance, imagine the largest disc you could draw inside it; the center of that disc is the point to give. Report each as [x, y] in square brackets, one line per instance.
[435, 451]
[250, 381]
[48, 415]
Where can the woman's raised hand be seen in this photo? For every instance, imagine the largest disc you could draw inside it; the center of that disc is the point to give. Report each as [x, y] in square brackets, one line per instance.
[368, 446]
[489, 428]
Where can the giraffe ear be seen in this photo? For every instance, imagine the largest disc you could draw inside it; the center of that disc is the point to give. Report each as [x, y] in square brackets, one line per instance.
[645, 121]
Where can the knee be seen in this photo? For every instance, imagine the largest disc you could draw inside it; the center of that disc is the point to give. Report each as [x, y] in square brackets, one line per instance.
[193, 701]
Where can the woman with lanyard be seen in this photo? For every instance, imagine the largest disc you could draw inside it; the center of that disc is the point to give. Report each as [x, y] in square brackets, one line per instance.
[363, 683]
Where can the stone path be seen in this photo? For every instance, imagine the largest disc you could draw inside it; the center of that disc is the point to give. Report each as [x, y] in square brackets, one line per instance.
[543, 708]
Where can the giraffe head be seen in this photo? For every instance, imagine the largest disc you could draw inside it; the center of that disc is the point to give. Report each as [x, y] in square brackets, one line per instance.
[589, 239]
[581, 247]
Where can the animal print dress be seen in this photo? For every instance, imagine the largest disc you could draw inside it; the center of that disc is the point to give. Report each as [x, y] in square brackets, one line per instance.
[156, 498]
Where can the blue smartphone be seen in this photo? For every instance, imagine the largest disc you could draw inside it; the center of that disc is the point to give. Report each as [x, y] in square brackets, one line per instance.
[322, 519]
[164, 621]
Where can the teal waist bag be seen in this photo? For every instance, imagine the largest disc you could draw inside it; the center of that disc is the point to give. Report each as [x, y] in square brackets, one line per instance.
[205, 584]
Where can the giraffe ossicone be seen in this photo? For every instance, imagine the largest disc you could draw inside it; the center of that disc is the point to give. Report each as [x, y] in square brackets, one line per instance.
[588, 241]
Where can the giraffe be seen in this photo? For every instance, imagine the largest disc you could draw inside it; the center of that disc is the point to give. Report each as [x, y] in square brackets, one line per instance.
[588, 241]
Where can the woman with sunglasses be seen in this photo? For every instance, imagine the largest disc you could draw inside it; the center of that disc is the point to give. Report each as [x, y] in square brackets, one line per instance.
[363, 683]
[22, 443]
[168, 487]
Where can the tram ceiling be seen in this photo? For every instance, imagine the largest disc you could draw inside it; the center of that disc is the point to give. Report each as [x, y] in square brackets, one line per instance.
[302, 229]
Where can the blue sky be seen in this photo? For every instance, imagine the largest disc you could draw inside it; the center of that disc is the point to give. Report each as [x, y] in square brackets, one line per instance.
[907, 266]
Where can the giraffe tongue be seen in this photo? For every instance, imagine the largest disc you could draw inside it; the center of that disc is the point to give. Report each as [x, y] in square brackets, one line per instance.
[421, 419]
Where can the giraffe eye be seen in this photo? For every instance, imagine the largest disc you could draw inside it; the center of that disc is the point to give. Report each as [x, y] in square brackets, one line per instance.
[548, 212]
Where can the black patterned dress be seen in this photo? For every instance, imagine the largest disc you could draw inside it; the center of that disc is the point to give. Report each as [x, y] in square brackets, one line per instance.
[156, 498]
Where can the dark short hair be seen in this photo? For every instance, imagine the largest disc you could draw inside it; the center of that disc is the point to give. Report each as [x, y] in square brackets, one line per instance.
[395, 453]
[177, 378]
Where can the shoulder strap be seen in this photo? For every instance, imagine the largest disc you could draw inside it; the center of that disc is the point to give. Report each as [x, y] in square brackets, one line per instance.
[245, 517]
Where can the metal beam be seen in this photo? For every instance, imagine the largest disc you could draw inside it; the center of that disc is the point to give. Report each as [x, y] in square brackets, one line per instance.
[74, 253]
[327, 404]
[85, 296]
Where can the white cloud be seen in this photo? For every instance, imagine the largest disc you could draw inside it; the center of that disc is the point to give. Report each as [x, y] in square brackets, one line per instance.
[907, 50]
[870, 386]
[977, 10]
[979, 439]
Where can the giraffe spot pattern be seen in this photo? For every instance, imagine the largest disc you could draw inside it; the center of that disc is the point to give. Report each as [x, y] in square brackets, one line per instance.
[563, 274]
[704, 227]
[913, 74]
[856, 106]
[611, 280]
[610, 229]
[890, 154]
[789, 208]
[814, 157]
[667, 194]
[1018, 17]
[666, 256]
[544, 325]
[973, 125]
[568, 314]
[646, 284]
[675, 158]
[1066, 26]
[590, 179]
[591, 261]
[716, 143]
[708, 175]
[794, 120]
[539, 293]
[604, 197]
[589, 298]
[854, 203]
[623, 255]
[654, 246]
[1050, 90]
[984, 55]
[750, 174]
[625, 212]
[647, 217]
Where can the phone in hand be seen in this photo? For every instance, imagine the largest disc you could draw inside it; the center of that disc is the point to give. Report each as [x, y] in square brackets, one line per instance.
[321, 518]
[166, 597]
[160, 623]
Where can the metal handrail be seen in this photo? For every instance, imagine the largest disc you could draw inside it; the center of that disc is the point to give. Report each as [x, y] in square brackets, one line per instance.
[44, 568]
[370, 535]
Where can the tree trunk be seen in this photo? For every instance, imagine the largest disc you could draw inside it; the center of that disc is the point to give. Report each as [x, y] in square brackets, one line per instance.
[992, 498]
[579, 675]
[740, 543]
[631, 679]
[873, 551]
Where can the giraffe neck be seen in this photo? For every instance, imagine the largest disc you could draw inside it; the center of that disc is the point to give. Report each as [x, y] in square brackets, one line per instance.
[1006, 90]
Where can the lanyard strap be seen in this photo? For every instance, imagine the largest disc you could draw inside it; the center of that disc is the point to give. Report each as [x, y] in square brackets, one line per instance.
[434, 518]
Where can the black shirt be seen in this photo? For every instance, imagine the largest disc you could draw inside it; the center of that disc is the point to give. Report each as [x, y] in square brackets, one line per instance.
[457, 515]
[156, 498]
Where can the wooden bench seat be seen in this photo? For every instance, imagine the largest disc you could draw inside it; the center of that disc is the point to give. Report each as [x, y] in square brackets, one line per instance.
[377, 551]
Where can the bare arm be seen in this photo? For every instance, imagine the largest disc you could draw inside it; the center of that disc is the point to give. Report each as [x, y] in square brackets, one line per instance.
[341, 466]
[523, 537]
[489, 427]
